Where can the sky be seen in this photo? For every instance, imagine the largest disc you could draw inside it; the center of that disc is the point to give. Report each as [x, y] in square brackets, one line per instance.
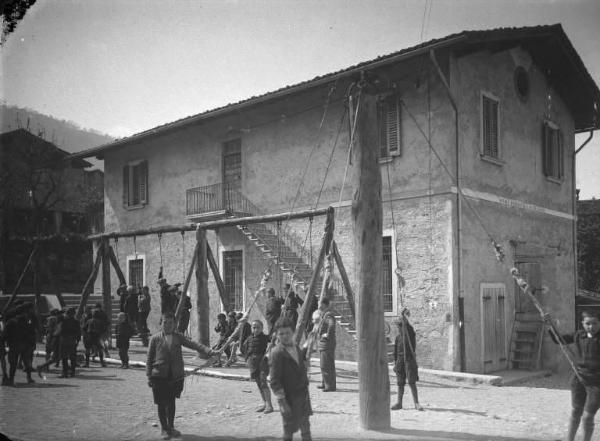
[123, 66]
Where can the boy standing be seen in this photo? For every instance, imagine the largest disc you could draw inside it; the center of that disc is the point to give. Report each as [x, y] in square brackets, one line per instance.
[405, 365]
[273, 309]
[327, 343]
[69, 333]
[255, 347]
[124, 333]
[585, 390]
[164, 368]
[289, 382]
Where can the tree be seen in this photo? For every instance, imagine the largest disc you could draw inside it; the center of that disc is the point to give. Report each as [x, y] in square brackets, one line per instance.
[588, 244]
[12, 12]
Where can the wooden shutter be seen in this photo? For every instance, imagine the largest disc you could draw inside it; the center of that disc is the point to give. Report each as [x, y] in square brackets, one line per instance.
[490, 127]
[560, 156]
[126, 185]
[389, 127]
[143, 182]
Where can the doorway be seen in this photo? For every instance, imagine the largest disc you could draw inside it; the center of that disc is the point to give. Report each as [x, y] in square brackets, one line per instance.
[493, 326]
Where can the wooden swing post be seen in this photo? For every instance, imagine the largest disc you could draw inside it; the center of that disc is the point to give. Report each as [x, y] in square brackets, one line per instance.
[186, 284]
[345, 280]
[215, 271]
[373, 375]
[202, 297]
[106, 289]
[21, 277]
[89, 284]
[115, 264]
[305, 312]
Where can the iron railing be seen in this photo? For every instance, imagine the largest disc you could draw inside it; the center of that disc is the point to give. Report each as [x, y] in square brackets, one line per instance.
[220, 197]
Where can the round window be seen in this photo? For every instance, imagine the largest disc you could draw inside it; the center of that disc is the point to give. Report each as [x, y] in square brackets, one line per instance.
[522, 82]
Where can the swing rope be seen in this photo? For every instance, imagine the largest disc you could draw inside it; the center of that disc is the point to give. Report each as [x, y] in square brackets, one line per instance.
[351, 142]
[183, 255]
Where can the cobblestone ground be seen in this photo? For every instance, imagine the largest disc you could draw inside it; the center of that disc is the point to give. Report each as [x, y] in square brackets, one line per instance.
[114, 404]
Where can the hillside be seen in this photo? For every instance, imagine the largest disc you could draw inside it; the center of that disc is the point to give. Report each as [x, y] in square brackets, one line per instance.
[65, 134]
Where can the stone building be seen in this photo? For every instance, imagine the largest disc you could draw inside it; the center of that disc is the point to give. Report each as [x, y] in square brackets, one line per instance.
[520, 96]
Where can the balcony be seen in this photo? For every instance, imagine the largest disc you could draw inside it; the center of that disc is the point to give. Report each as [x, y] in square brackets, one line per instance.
[217, 200]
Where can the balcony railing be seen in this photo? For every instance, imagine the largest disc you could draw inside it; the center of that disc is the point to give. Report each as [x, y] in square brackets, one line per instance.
[217, 198]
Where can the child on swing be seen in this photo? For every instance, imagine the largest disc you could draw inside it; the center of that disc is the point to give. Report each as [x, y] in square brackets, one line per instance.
[164, 369]
[585, 389]
[405, 366]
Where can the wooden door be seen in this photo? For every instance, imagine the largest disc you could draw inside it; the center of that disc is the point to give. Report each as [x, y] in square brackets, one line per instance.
[233, 278]
[232, 165]
[493, 326]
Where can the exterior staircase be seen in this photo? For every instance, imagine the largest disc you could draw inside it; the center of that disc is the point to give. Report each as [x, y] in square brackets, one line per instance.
[526, 341]
[72, 300]
[287, 253]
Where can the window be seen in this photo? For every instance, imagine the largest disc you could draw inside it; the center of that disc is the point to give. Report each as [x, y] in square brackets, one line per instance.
[387, 283]
[135, 184]
[552, 151]
[233, 278]
[489, 127]
[388, 117]
[135, 270]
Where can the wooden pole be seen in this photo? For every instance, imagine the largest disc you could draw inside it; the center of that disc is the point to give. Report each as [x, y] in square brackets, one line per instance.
[115, 264]
[345, 280]
[21, 277]
[215, 271]
[106, 288]
[305, 312]
[202, 299]
[186, 283]
[89, 284]
[211, 225]
[373, 375]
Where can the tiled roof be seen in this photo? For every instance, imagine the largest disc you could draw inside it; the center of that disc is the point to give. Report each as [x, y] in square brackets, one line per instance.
[472, 37]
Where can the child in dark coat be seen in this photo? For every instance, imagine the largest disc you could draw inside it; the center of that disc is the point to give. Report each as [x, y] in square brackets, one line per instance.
[124, 333]
[222, 329]
[69, 334]
[405, 359]
[94, 329]
[164, 368]
[255, 348]
[585, 390]
[289, 382]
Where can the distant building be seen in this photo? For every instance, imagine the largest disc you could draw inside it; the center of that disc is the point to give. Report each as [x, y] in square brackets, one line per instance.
[44, 194]
[521, 95]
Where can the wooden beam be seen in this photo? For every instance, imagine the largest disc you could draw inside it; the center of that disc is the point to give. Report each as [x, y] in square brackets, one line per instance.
[202, 298]
[215, 271]
[89, 284]
[305, 312]
[345, 280]
[186, 283]
[211, 225]
[35, 249]
[115, 264]
[106, 288]
[373, 375]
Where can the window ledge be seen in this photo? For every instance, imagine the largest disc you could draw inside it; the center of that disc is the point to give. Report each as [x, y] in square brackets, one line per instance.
[491, 159]
[134, 207]
[386, 159]
[554, 180]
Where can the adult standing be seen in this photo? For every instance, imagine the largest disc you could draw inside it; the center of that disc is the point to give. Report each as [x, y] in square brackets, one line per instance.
[292, 302]
[131, 306]
[144, 308]
[20, 337]
[326, 345]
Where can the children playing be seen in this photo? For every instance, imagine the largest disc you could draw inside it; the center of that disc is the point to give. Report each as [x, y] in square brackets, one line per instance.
[224, 332]
[405, 359]
[255, 347]
[124, 332]
[289, 382]
[164, 368]
[585, 390]
[94, 329]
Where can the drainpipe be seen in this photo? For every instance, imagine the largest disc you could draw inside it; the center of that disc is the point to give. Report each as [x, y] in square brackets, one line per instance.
[457, 310]
[574, 209]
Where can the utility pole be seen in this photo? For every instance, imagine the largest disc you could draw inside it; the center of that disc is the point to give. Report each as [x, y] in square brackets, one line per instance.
[373, 375]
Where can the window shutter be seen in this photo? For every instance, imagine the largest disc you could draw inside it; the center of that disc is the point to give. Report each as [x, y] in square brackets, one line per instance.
[490, 127]
[561, 165]
[126, 185]
[143, 182]
[545, 152]
[393, 127]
